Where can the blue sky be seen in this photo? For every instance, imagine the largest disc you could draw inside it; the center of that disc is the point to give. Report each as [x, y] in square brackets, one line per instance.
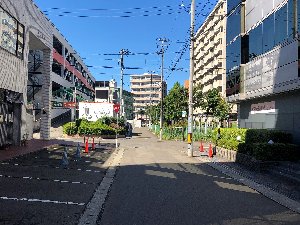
[98, 27]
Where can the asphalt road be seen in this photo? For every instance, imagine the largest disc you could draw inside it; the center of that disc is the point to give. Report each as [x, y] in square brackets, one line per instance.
[157, 184]
[37, 189]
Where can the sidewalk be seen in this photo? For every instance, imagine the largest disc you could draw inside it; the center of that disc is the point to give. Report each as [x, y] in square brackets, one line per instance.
[279, 182]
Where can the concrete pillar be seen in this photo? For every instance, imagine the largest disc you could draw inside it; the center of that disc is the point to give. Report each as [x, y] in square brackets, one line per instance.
[46, 95]
[17, 113]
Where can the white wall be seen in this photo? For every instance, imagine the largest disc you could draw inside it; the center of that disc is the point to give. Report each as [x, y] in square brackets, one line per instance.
[93, 111]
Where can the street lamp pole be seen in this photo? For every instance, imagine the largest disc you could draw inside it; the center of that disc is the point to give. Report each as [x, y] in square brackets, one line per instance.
[190, 116]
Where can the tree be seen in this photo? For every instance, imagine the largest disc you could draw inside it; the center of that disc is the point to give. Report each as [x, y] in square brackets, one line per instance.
[223, 110]
[211, 101]
[175, 102]
[198, 97]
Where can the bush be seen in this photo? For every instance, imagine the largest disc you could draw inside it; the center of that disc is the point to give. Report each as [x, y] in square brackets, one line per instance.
[276, 152]
[70, 128]
[264, 136]
[228, 138]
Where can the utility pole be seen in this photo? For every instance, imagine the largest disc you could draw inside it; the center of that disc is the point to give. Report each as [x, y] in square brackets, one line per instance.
[190, 116]
[122, 53]
[162, 51]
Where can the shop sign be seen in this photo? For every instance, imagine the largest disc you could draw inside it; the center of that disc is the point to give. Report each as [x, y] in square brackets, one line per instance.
[69, 104]
[265, 107]
[8, 32]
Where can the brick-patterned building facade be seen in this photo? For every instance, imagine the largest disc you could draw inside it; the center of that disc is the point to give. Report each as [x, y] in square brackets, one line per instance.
[28, 78]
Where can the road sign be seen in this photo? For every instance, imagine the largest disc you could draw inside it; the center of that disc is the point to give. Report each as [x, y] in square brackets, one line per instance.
[69, 104]
[116, 107]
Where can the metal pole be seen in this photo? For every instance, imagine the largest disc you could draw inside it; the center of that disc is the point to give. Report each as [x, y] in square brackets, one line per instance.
[117, 130]
[121, 86]
[161, 91]
[190, 116]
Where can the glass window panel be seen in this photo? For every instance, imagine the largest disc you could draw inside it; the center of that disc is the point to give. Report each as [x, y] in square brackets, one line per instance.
[231, 4]
[298, 6]
[255, 42]
[281, 25]
[268, 33]
[233, 25]
[20, 40]
[291, 18]
[233, 54]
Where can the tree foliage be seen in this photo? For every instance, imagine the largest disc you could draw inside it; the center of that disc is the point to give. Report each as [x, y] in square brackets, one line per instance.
[175, 102]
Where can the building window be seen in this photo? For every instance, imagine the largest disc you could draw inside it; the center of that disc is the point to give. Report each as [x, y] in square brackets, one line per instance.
[11, 34]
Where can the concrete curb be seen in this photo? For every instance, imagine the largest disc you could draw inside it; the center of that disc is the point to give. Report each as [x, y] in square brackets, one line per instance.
[267, 192]
[95, 206]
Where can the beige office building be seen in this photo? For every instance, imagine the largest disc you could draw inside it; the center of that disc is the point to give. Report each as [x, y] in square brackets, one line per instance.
[210, 51]
[146, 91]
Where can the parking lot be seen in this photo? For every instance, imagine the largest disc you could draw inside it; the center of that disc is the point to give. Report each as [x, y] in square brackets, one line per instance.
[42, 188]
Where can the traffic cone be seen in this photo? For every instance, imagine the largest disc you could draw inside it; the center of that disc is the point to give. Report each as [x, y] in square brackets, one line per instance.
[210, 151]
[93, 144]
[77, 154]
[86, 150]
[201, 147]
[64, 160]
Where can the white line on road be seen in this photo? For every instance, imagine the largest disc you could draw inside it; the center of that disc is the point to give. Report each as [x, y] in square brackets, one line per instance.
[49, 166]
[40, 200]
[94, 207]
[45, 179]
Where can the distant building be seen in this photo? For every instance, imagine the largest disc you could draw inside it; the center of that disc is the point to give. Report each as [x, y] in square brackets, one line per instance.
[146, 90]
[210, 54]
[107, 91]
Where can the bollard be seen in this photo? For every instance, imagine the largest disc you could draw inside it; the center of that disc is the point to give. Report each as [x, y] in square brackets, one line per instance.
[201, 149]
[86, 150]
[77, 154]
[210, 151]
[93, 144]
[64, 160]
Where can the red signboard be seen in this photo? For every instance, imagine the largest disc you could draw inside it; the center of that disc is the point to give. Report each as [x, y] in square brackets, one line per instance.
[69, 104]
[116, 108]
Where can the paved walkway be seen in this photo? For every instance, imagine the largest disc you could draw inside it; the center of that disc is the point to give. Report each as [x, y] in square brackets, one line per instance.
[158, 184]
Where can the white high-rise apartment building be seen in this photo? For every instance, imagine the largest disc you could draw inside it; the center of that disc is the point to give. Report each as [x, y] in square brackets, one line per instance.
[210, 51]
[146, 90]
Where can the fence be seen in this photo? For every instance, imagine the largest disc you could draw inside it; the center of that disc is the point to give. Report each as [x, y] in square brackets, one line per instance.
[180, 133]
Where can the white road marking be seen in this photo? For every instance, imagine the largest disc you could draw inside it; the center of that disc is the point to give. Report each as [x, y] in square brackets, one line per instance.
[40, 200]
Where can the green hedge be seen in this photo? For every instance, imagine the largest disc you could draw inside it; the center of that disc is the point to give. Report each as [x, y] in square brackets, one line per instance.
[70, 128]
[228, 138]
[103, 126]
[264, 136]
[271, 152]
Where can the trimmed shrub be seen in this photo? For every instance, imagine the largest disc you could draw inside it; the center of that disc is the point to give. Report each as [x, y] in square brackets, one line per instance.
[70, 128]
[271, 152]
[276, 152]
[228, 138]
[263, 135]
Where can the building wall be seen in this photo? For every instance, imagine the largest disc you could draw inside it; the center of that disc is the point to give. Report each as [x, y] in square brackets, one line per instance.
[14, 70]
[38, 35]
[283, 114]
[266, 79]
